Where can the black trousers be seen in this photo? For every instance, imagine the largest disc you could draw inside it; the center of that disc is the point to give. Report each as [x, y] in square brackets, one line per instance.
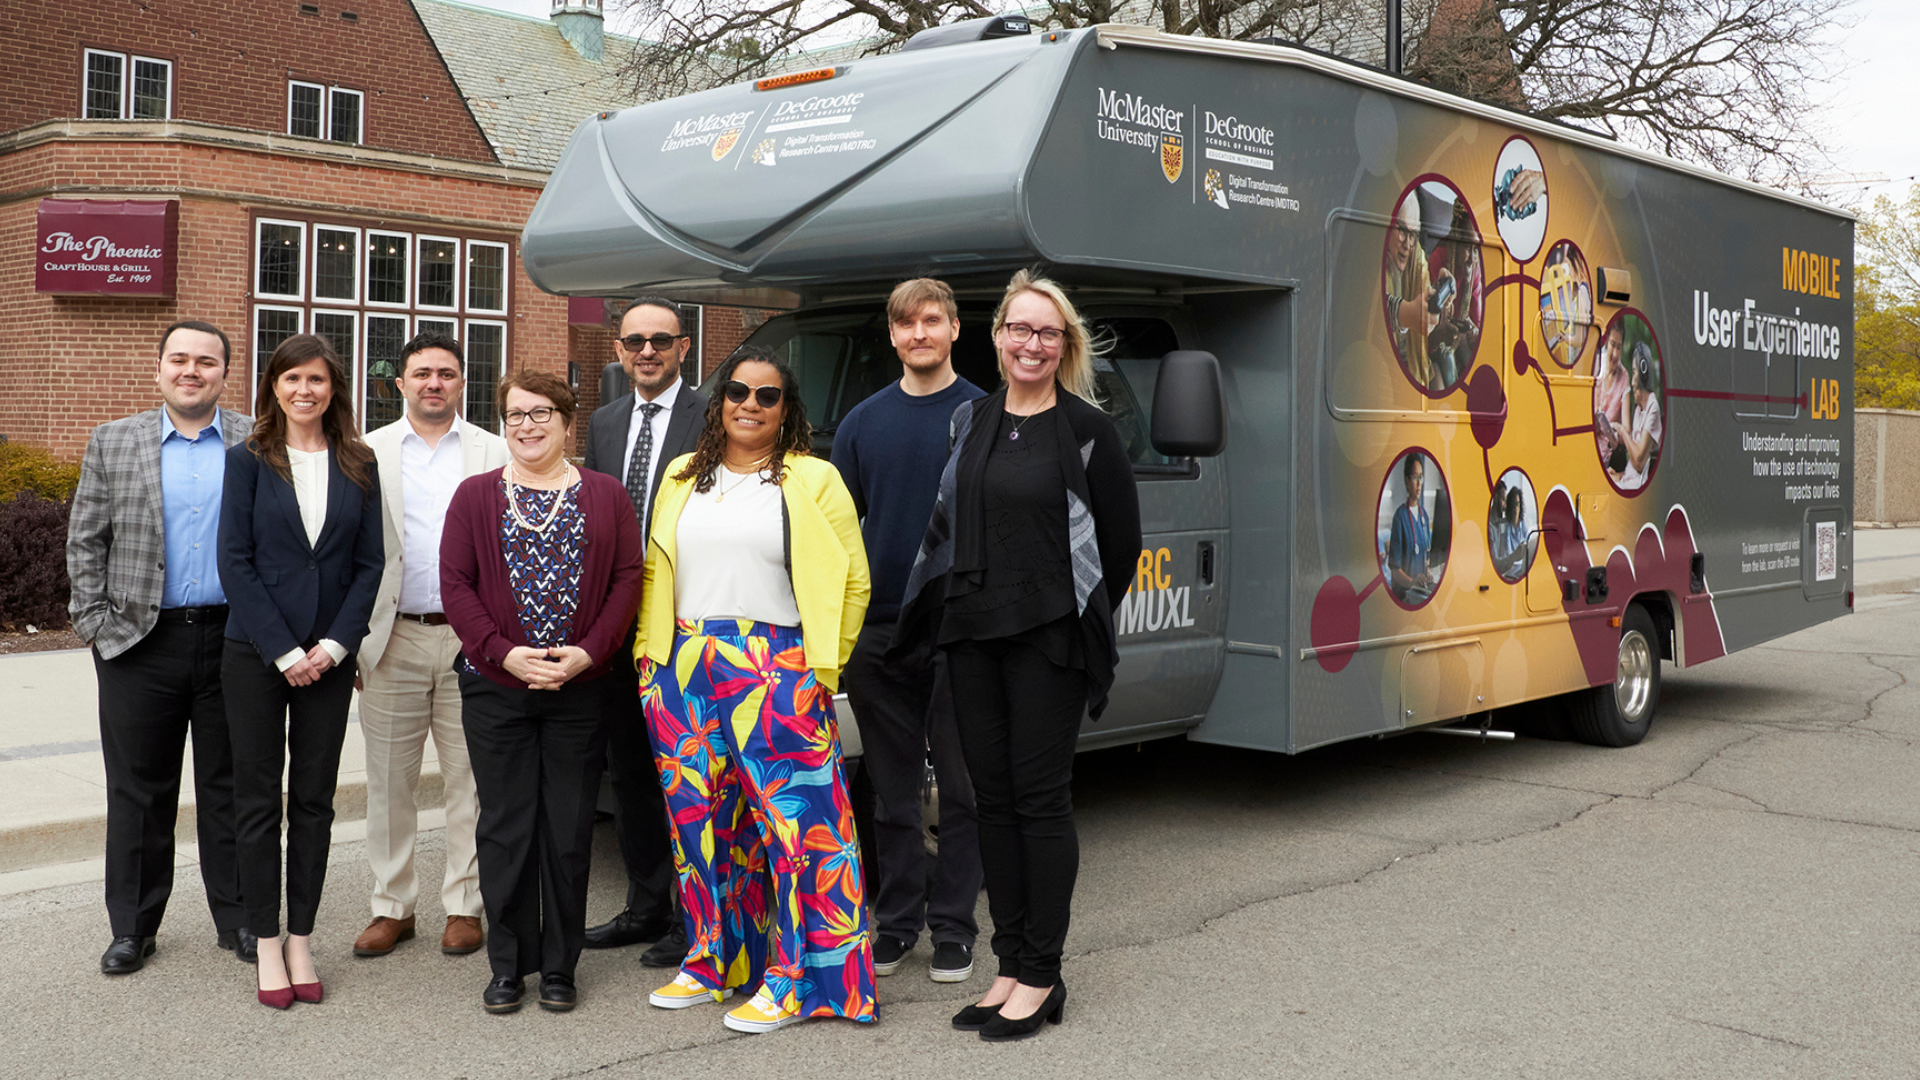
[904, 711]
[277, 726]
[537, 757]
[151, 696]
[1019, 719]
[641, 816]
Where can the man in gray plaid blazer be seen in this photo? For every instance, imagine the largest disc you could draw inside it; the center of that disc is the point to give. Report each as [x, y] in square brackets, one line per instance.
[142, 552]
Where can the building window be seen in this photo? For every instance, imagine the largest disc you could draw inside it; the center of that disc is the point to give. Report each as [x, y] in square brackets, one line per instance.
[367, 291]
[325, 112]
[109, 94]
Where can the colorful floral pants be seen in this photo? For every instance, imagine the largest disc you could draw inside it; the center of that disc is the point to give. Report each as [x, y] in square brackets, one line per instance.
[763, 836]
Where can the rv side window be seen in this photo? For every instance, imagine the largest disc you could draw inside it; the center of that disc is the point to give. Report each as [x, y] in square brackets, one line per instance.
[1130, 351]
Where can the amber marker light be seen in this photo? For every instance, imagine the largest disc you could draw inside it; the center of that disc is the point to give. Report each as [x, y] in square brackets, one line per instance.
[798, 78]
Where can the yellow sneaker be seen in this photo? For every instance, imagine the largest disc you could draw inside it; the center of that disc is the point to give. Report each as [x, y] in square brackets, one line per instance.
[684, 992]
[759, 1015]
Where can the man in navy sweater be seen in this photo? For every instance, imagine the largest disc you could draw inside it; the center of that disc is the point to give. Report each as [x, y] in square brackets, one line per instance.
[890, 450]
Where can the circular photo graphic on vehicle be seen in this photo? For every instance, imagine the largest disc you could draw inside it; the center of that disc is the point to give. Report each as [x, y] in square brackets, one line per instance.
[1520, 199]
[1433, 285]
[1513, 526]
[1413, 530]
[1566, 303]
[1629, 395]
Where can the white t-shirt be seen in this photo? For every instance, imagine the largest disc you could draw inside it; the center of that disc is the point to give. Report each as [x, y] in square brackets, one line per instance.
[1646, 423]
[731, 561]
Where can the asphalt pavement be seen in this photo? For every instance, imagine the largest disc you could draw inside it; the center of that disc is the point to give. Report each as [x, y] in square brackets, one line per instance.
[1731, 898]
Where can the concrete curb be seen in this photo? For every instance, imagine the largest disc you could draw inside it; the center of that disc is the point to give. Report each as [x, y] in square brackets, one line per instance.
[73, 839]
[1883, 588]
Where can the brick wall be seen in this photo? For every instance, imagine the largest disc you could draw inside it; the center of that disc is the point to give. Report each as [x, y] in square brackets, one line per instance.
[232, 62]
[68, 364]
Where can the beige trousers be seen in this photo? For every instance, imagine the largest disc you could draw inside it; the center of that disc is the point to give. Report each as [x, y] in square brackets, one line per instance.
[412, 692]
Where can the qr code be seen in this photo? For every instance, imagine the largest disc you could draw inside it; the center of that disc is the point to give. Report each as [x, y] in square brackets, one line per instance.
[1826, 550]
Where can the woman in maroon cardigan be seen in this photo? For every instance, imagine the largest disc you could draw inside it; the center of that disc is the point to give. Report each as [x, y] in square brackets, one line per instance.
[540, 576]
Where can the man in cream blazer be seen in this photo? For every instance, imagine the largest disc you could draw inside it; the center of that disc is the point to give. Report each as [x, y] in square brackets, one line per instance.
[408, 685]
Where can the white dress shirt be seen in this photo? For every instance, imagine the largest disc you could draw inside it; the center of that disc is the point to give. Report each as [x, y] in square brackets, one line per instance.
[660, 420]
[428, 477]
[309, 469]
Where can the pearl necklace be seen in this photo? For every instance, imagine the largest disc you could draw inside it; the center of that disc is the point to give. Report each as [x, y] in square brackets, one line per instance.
[566, 476]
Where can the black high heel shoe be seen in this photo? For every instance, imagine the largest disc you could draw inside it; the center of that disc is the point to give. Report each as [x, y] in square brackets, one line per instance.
[1051, 1011]
[974, 1017]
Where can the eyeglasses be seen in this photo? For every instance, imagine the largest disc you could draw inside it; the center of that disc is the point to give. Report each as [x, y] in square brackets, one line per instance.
[1050, 336]
[660, 342]
[539, 415]
[767, 396]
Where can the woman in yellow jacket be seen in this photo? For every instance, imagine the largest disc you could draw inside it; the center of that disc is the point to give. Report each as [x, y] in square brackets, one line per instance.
[756, 586]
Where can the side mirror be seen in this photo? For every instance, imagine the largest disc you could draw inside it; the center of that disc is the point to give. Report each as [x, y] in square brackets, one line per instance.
[1189, 407]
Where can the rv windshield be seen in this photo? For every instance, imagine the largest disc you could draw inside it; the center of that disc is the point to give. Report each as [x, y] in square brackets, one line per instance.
[842, 355]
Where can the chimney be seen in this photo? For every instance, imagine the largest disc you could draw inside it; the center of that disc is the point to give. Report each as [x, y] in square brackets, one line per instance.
[582, 24]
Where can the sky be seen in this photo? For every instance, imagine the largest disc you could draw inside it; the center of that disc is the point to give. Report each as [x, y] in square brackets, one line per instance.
[1868, 105]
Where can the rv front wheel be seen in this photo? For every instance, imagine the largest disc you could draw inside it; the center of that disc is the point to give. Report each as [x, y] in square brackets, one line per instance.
[1620, 714]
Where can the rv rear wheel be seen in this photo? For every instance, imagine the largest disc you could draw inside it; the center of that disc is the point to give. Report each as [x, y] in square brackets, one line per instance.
[1620, 714]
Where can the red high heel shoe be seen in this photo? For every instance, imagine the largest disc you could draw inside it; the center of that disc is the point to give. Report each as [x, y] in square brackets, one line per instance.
[276, 999]
[311, 993]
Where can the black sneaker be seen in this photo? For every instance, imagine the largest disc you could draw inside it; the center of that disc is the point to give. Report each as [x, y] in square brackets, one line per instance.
[952, 962]
[888, 954]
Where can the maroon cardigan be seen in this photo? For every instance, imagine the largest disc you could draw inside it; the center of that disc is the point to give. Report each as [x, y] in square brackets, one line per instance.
[478, 598]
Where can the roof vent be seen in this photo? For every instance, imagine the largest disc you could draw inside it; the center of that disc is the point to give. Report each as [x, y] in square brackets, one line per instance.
[993, 26]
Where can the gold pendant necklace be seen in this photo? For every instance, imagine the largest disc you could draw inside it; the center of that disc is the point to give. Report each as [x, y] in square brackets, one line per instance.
[753, 470]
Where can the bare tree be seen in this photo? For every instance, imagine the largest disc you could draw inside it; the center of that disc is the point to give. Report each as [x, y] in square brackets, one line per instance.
[1732, 84]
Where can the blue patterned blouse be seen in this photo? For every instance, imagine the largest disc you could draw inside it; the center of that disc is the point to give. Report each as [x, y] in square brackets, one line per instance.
[544, 568]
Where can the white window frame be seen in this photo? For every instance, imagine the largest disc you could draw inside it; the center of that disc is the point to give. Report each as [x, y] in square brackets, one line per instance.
[300, 264]
[87, 70]
[406, 271]
[313, 323]
[466, 343]
[448, 324]
[363, 376]
[253, 337]
[314, 269]
[359, 116]
[325, 114]
[506, 276]
[459, 251]
[127, 93]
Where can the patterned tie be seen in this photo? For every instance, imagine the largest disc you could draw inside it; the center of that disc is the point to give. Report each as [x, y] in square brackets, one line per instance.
[640, 467]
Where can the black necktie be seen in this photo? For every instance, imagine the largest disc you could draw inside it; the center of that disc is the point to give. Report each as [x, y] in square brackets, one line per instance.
[640, 466]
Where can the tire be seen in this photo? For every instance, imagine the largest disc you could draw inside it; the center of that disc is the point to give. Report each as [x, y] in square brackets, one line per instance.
[1619, 713]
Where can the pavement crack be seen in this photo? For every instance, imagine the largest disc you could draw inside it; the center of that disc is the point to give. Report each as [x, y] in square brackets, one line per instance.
[1744, 1031]
[1874, 701]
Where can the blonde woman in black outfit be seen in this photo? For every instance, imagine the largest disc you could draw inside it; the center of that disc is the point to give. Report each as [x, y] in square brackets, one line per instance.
[1033, 540]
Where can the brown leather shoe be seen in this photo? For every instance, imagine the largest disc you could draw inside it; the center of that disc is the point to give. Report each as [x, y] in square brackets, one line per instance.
[382, 934]
[463, 935]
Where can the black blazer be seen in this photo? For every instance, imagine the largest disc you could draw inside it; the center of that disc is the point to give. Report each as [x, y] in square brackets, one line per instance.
[282, 592]
[607, 436]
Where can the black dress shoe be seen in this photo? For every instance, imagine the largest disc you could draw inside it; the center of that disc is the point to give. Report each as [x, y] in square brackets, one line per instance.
[1051, 1011]
[557, 993]
[126, 955]
[241, 943]
[974, 1017]
[669, 950]
[502, 995]
[627, 928]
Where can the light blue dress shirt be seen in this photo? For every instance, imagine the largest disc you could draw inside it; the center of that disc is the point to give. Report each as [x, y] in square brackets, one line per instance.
[192, 473]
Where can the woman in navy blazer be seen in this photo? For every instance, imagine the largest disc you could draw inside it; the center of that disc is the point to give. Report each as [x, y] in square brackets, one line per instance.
[300, 559]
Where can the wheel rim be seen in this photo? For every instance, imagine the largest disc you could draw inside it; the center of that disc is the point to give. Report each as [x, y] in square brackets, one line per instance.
[1633, 679]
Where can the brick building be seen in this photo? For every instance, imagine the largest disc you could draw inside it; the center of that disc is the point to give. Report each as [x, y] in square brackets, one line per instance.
[358, 169]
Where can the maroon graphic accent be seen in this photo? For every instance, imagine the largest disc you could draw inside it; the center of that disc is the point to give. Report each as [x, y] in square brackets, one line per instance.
[1511, 279]
[1723, 395]
[1524, 362]
[1487, 406]
[1335, 630]
[1656, 566]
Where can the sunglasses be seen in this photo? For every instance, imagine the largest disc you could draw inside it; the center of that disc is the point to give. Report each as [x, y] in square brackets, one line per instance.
[767, 396]
[660, 342]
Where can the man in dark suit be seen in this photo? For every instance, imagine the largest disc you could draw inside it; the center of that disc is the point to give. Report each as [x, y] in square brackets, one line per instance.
[633, 437]
[142, 552]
